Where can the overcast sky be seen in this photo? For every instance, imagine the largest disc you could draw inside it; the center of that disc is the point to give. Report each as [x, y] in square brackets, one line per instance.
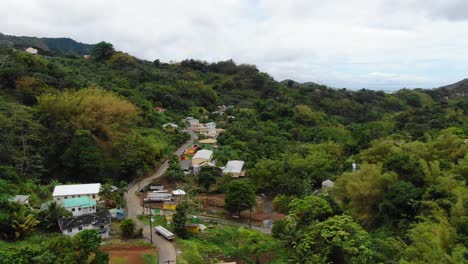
[375, 44]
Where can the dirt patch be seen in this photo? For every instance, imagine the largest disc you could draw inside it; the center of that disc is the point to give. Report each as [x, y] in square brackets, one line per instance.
[128, 254]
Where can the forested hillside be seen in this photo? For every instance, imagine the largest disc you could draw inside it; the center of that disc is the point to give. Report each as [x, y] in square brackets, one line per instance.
[69, 119]
[47, 45]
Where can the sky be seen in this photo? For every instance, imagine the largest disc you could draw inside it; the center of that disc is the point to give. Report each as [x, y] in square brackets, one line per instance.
[373, 44]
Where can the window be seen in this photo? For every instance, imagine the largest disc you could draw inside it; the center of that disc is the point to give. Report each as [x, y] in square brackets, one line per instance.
[69, 230]
[73, 209]
[73, 196]
[101, 227]
[79, 208]
[80, 228]
[65, 197]
[94, 196]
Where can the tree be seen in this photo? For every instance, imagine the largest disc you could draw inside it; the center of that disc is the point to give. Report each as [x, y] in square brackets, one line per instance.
[335, 240]
[23, 223]
[102, 51]
[399, 200]
[83, 158]
[106, 193]
[240, 196]
[207, 176]
[127, 226]
[180, 218]
[49, 217]
[86, 242]
[361, 192]
[309, 209]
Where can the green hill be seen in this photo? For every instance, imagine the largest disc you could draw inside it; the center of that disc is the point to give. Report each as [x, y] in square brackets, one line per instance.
[47, 45]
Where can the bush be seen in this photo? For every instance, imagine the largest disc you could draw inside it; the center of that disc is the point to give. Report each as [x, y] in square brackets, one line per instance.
[127, 226]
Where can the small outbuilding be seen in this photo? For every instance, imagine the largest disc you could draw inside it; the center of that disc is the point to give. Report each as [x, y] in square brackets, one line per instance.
[178, 192]
[202, 156]
[234, 168]
[328, 184]
[20, 199]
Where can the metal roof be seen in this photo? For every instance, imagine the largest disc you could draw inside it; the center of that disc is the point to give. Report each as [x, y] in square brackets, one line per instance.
[234, 166]
[74, 189]
[79, 201]
[203, 154]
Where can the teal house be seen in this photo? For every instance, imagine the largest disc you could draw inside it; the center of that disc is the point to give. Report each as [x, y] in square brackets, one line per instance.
[80, 205]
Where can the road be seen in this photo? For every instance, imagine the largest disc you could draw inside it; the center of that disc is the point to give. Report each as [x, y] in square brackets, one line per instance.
[166, 249]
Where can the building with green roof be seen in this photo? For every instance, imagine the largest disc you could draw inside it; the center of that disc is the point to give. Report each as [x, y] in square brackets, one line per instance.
[80, 205]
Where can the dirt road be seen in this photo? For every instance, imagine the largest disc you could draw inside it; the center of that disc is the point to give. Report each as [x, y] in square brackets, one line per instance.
[165, 248]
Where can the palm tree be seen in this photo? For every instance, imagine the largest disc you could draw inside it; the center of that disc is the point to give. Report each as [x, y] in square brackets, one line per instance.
[22, 223]
[107, 194]
[50, 216]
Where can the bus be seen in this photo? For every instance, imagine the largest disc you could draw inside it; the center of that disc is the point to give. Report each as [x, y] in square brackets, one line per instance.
[164, 232]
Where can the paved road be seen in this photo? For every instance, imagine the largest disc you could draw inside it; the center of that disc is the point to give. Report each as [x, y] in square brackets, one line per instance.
[166, 249]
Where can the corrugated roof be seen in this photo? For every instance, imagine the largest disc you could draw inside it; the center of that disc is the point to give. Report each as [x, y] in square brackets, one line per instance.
[96, 219]
[203, 154]
[79, 201]
[74, 189]
[234, 166]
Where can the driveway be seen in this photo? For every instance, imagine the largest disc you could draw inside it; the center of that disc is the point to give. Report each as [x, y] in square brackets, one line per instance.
[166, 250]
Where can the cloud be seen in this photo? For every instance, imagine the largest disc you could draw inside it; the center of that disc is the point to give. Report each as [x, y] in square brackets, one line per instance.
[411, 43]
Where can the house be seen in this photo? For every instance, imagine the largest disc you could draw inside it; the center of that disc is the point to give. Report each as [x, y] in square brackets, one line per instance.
[31, 50]
[62, 192]
[178, 192]
[327, 184]
[87, 57]
[169, 206]
[117, 213]
[210, 125]
[192, 228]
[234, 168]
[202, 156]
[99, 221]
[192, 121]
[20, 199]
[170, 126]
[80, 205]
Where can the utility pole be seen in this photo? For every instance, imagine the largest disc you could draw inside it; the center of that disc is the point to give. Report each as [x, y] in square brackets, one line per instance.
[151, 222]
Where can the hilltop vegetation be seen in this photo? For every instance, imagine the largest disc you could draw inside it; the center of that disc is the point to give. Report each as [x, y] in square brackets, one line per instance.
[74, 120]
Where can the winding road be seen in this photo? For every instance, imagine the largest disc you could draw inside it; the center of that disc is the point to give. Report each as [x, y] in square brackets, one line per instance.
[166, 250]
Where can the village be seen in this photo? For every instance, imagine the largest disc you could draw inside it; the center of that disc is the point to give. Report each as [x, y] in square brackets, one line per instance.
[150, 203]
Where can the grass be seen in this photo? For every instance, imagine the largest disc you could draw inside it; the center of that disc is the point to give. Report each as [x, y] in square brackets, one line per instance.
[150, 259]
[117, 240]
[230, 243]
[158, 220]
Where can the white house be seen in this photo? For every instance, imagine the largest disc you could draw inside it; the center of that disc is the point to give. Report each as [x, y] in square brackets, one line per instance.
[192, 121]
[80, 205]
[31, 50]
[62, 192]
[20, 199]
[99, 221]
[202, 156]
[328, 184]
[234, 168]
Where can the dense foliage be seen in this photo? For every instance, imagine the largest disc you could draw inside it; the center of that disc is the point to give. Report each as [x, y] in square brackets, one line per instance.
[77, 120]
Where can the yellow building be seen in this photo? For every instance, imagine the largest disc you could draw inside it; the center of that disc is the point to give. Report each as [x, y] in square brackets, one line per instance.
[169, 206]
[192, 228]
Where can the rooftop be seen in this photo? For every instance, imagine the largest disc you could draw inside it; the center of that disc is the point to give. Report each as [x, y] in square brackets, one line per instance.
[20, 199]
[203, 154]
[79, 201]
[234, 166]
[74, 189]
[98, 218]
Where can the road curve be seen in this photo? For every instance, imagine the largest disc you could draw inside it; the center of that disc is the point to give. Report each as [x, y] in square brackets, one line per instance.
[166, 250]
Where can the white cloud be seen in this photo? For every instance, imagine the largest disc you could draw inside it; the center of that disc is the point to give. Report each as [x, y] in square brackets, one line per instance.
[422, 43]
